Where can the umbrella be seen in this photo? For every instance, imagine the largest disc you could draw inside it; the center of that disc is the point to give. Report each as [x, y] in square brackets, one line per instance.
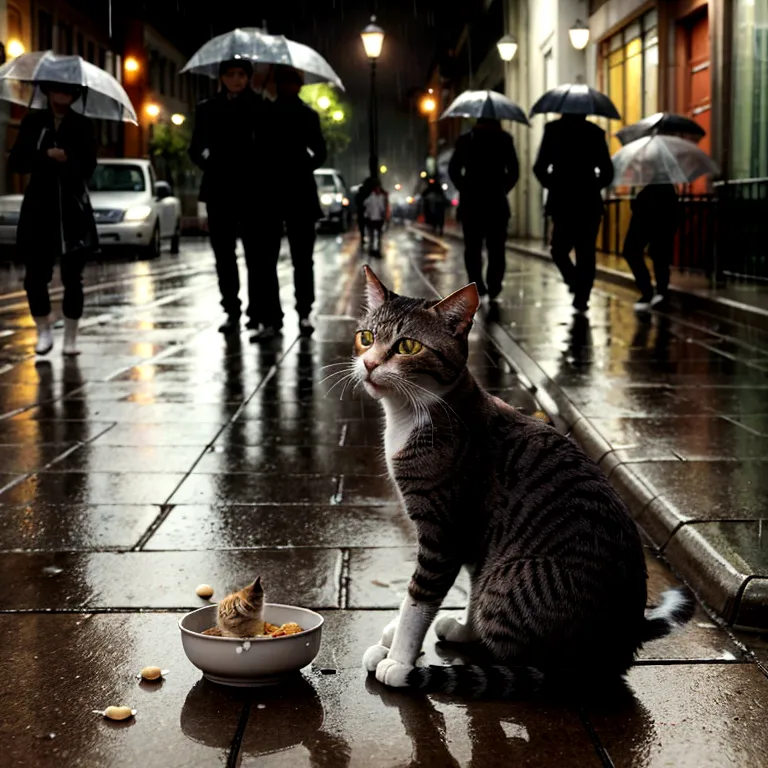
[485, 104]
[103, 98]
[666, 123]
[256, 46]
[660, 160]
[578, 99]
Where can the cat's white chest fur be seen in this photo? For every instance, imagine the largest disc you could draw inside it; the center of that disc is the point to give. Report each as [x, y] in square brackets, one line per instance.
[400, 424]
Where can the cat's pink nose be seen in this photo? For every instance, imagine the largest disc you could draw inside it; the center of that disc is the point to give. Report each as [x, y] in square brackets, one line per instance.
[370, 364]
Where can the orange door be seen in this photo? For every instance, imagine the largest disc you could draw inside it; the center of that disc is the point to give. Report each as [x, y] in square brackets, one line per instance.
[698, 93]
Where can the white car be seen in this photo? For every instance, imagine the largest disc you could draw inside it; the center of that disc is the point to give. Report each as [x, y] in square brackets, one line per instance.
[334, 199]
[132, 209]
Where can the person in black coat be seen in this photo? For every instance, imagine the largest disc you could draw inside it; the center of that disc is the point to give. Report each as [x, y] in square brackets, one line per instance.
[296, 147]
[573, 164]
[224, 145]
[654, 223]
[56, 147]
[484, 169]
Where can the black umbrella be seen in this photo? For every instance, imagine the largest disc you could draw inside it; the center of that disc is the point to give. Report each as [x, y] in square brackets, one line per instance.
[488, 104]
[578, 99]
[664, 123]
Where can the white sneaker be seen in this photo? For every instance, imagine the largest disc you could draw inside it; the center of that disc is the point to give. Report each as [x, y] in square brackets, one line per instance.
[642, 305]
[70, 337]
[658, 299]
[44, 335]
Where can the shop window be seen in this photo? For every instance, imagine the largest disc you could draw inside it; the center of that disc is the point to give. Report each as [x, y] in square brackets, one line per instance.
[749, 134]
[629, 72]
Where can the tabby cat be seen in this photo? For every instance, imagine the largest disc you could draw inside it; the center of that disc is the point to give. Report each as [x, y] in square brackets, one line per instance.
[241, 614]
[556, 566]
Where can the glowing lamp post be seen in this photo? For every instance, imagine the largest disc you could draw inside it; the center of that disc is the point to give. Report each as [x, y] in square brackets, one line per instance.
[373, 41]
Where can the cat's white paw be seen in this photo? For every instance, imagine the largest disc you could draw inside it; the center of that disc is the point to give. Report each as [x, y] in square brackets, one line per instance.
[392, 673]
[389, 633]
[374, 656]
[453, 631]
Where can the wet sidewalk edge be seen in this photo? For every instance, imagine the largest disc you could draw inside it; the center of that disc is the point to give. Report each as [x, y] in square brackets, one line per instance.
[740, 599]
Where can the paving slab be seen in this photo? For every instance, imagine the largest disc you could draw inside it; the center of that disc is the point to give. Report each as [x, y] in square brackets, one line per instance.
[137, 580]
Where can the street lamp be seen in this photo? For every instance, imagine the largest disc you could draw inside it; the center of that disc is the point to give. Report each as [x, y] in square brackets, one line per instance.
[178, 119]
[323, 102]
[338, 115]
[153, 110]
[383, 169]
[373, 40]
[507, 47]
[15, 48]
[131, 64]
[579, 34]
[428, 105]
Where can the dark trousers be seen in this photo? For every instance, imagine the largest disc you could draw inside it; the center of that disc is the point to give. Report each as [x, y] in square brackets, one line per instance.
[225, 222]
[361, 225]
[493, 232]
[659, 235]
[301, 240]
[577, 231]
[374, 233]
[40, 273]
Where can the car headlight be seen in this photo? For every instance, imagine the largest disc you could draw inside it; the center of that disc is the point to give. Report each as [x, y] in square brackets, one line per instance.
[326, 198]
[137, 213]
[339, 197]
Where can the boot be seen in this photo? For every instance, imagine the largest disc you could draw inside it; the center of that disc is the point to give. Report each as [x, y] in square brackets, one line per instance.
[70, 337]
[44, 335]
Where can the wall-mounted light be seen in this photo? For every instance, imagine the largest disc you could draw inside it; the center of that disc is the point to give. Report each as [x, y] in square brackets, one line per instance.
[579, 34]
[178, 119]
[428, 105]
[14, 48]
[131, 64]
[383, 169]
[507, 47]
[153, 110]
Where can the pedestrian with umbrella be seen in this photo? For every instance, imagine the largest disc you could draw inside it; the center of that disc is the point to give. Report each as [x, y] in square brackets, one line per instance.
[484, 169]
[57, 148]
[291, 146]
[574, 165]
[655, 158]
[296, 148]
[225, 145]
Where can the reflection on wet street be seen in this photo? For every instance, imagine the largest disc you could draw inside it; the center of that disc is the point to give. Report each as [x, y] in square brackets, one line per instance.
[167, 455]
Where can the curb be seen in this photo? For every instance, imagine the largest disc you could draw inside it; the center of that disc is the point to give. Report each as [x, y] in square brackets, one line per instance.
[740, 598]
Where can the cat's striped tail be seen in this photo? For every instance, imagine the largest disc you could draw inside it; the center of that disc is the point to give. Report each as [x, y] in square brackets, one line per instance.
[675, 609]
[473, 681]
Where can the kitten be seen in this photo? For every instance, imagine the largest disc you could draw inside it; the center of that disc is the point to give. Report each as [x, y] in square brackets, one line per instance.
[241, 614]
[557, 572]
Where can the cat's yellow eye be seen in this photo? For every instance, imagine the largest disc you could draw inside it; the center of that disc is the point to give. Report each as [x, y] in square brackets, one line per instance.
[409, 347]
[365, 338]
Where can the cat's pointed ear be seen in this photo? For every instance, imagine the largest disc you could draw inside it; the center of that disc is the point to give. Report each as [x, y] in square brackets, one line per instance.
[459, 308]
[256, 589]
[375, 291]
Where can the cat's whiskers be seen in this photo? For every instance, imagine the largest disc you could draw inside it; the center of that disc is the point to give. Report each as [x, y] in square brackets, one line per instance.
[349, 375]
[349, 369]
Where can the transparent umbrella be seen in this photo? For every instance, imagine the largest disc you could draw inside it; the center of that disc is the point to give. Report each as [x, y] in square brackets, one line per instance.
[660, 160]
[485, 104]
[256, 46]
[103, 98]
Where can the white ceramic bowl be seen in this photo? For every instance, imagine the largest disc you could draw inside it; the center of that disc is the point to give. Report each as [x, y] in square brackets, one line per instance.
[266, 662]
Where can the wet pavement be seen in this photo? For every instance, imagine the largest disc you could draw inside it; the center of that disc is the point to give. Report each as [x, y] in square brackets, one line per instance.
[166, 456]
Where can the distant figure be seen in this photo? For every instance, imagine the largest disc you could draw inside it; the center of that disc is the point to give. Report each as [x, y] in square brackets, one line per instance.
[375, 207]
[654, 223]
[363, 191]
[57, 147]
[224, 147]
[573, 164]
[294, 149]
[484, 169]
[435, 203]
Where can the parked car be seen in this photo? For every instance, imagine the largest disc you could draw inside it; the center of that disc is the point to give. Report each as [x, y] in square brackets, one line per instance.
[334, 199]
[132, 209]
